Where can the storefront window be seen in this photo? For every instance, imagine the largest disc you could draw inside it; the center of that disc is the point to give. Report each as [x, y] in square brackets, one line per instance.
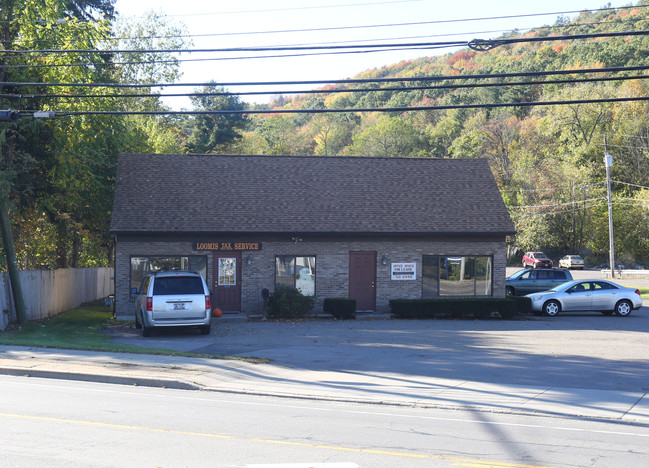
[141, 266]
[298, 272]
[456, 276]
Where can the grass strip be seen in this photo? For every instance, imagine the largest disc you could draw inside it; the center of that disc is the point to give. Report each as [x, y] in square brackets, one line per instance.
[81, 329]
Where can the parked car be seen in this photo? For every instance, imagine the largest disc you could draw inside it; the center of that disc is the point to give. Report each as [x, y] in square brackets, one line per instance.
[172, 299]
[528, 281]
[536, 260]
[571, 262]
[587, 295]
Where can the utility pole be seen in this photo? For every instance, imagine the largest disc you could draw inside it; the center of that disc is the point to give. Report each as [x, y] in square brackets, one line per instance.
[12, 263]
[608, 162]
[5, 229]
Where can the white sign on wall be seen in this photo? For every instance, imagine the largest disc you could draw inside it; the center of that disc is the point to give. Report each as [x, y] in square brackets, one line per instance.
[403, 271]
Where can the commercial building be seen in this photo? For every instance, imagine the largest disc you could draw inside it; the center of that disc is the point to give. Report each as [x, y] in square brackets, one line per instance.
[372, 229]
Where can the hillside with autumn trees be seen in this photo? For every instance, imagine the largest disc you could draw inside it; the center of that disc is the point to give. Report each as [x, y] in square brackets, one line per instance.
[547, 160]
[57, 176]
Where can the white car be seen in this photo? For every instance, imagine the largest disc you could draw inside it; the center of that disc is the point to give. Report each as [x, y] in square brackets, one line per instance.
[587, 295]
[571, 262]
[172, 299]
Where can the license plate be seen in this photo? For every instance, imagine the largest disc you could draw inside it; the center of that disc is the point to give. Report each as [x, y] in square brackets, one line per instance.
[179, 306]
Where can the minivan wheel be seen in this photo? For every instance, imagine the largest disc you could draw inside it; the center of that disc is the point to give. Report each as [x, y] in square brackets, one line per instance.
[146, 331]
[551, 308]
[623, 308]
[205, 330]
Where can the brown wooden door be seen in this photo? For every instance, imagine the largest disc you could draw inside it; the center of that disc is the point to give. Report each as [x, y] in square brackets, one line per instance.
[226, 285]
[362, 279]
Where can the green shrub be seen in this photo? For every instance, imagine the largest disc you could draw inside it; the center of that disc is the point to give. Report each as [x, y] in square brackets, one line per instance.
[523, 305]
[453, 308]
[341, 308]
[288, 302]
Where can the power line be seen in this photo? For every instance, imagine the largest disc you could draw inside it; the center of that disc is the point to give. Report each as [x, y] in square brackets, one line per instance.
[532, 215]
[329, 91]
[466, 33]
[233, 49]
[339, 110]
[459, 20]
[632, 185]
[482, 45]
[254, 57]
[575, 202]
[476, 44]
[346, 81]
[314, 7]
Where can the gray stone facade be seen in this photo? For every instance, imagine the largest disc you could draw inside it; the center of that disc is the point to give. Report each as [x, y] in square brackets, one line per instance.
[332, 265]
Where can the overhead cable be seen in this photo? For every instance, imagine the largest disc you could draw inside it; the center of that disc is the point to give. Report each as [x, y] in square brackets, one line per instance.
[248, 57]
[345, 81]
[329, 91]
[476, 44]
[348, 110]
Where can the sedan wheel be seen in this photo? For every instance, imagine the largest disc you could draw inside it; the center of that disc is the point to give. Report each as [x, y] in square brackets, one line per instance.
[623, 308]
[551, 308]
[510, 291]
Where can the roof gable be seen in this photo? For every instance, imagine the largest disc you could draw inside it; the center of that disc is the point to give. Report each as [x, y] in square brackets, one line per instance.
[299, 194]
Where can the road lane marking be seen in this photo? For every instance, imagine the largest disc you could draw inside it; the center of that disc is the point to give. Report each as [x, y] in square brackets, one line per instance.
[173, 395]
[305, 465]
[454, 460]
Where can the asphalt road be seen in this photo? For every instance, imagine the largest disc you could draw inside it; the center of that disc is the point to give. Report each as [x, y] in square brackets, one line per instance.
[64, 423]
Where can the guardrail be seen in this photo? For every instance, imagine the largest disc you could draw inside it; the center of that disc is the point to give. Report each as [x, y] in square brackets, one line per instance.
[622, 273]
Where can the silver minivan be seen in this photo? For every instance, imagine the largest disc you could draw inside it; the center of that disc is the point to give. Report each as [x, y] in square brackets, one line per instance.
[172, 299]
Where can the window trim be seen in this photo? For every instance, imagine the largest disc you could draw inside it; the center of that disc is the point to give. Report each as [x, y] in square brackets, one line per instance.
[295, 257]
[148, 257]
[437, 280]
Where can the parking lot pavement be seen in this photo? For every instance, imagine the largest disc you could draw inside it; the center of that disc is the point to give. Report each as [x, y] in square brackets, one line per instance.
[580, 350]
[596, 274]
[573, 365]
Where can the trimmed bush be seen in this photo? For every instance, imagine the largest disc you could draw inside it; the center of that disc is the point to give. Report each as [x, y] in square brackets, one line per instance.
[523, 304]
[341, 308]
[453, 308]
[288, 302]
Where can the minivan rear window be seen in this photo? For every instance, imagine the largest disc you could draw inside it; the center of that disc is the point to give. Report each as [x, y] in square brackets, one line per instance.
[178, 285]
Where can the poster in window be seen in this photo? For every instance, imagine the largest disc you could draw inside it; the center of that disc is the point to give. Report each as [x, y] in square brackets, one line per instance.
[403, 271]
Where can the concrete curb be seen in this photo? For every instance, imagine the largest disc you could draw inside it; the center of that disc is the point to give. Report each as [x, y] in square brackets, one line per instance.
[99, 378]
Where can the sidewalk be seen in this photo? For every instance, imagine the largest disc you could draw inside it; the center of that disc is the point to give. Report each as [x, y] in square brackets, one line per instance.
[232, 376]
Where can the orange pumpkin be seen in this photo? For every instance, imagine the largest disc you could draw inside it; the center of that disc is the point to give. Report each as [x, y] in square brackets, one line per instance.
[217, 312]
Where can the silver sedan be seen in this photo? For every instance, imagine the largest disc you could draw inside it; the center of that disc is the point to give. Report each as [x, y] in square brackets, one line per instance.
[586, 295]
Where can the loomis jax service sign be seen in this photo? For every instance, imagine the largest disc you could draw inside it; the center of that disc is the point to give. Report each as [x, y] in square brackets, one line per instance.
[403, 271]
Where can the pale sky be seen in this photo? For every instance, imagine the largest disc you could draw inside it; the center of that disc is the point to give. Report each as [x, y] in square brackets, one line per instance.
[203, 17]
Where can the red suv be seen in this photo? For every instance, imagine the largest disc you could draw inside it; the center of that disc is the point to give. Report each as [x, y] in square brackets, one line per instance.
[536, 260]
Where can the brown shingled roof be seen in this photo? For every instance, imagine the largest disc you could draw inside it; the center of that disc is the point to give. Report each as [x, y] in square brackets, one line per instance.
[299, 194]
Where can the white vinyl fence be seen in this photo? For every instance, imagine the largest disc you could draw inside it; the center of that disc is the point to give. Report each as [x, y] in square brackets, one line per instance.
[49, 292]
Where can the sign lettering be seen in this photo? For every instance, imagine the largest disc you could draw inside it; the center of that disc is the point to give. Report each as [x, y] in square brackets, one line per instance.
[227, 246]
[403, 271]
